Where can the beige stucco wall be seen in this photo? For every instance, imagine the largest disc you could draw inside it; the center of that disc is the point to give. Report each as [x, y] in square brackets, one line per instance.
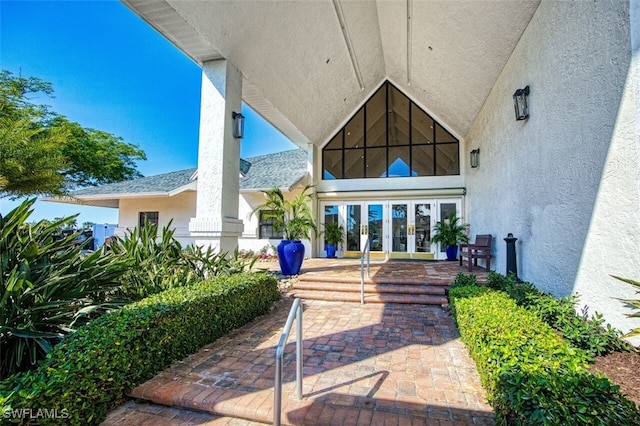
[565, 182]
[181, 208]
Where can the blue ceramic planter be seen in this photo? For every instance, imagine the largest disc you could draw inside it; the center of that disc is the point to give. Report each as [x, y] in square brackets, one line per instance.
[452, 252]
[290, 256]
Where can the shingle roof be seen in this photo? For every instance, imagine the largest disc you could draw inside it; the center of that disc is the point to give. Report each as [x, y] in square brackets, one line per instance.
[162, 183]
[282, 170]
[279, 170]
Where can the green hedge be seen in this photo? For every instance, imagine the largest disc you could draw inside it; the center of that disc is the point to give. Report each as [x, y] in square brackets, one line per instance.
[532, 375]
[588, 333]
[88, 373]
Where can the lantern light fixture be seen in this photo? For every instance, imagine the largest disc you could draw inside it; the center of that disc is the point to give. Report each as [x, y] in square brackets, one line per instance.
[520, 103]
[238, 125]
[475, 158]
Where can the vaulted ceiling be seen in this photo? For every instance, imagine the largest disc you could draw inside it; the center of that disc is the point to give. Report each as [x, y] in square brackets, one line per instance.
[308, 65]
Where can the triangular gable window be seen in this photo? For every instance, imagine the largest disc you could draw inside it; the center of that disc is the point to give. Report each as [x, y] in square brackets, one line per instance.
[390, 136]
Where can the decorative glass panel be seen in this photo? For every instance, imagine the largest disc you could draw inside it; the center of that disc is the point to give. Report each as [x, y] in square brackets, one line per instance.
[447, 159]
[376, 162]
[354, 131]
[399, 162]
[398, 108]
[332, 161]
[353, 163]
[421, 126]
[443, 136]
[377, 118]
[422, 160]
[336, 142]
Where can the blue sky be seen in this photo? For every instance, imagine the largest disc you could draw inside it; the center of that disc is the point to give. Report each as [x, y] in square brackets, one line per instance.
[113, 72]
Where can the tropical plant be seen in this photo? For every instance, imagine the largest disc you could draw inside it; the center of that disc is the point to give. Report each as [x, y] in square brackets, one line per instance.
[47, 287]
[162, 263]
[450, 231]
[333, 233]
[90, 371]
[294, 218]
[632, 302]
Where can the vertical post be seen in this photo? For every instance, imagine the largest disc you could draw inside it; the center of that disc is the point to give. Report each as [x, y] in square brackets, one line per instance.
[277, 393]
[512, 264]
[294, 313]
[216, 223]
[299, 352]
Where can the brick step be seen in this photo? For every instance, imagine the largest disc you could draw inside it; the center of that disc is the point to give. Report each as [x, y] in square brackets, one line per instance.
[370, 288]
[327, 278]
[341, 296]
[241, 404]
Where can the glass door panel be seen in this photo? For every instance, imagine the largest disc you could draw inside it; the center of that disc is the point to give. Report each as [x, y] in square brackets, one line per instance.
[375, 225]
[353, 222]
[446, 207]
[330, 215]
[422, 227]
[399, 228]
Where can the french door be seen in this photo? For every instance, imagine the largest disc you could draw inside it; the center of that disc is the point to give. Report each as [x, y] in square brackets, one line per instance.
[410, 225]
[393, 228]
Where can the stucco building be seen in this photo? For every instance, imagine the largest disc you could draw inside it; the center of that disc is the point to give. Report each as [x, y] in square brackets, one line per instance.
[389, 98]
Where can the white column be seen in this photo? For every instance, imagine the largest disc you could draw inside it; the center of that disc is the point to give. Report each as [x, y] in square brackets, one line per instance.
[216, 223]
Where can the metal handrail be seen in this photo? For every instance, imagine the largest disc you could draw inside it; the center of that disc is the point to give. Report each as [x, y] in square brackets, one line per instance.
[366, 250]
[296, 312]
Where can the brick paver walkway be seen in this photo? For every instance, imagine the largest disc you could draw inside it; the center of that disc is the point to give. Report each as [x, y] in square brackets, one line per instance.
[363, 364]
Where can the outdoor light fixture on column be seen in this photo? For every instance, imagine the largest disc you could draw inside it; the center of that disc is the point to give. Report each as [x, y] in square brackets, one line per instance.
[238, 125]
[520, 103]
[475, 158]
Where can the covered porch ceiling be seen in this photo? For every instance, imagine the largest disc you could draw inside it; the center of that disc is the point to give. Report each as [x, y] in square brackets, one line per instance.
[308, 65]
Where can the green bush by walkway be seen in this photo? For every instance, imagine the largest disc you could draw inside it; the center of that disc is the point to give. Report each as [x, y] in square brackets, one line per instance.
[588, 333]
[532, 375]
[88, 373]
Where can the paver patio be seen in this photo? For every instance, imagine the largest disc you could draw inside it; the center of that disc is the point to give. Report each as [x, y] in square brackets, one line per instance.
[363, 364]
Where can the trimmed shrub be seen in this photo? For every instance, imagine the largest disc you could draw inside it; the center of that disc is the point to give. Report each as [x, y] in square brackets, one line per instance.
[532, 375]
[588, 333]
[88, 373]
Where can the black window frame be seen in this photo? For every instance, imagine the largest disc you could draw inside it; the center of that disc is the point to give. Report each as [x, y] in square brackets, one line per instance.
[151, 218]
[266, 230]
[434, 143]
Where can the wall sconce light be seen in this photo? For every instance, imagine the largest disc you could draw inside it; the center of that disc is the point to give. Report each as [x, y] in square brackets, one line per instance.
[475, 158]
[520, 103]
[238, 125]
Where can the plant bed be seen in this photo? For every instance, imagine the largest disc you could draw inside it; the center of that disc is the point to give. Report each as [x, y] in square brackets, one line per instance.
[623, 368]
[531, 373]
[89, 371]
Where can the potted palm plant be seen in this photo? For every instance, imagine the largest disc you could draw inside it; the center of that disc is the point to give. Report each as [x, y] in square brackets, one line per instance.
[333, 235]
[294, 218]
[450, 232]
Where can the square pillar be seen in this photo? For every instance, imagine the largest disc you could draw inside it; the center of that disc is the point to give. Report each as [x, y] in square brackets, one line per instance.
[216, 223]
